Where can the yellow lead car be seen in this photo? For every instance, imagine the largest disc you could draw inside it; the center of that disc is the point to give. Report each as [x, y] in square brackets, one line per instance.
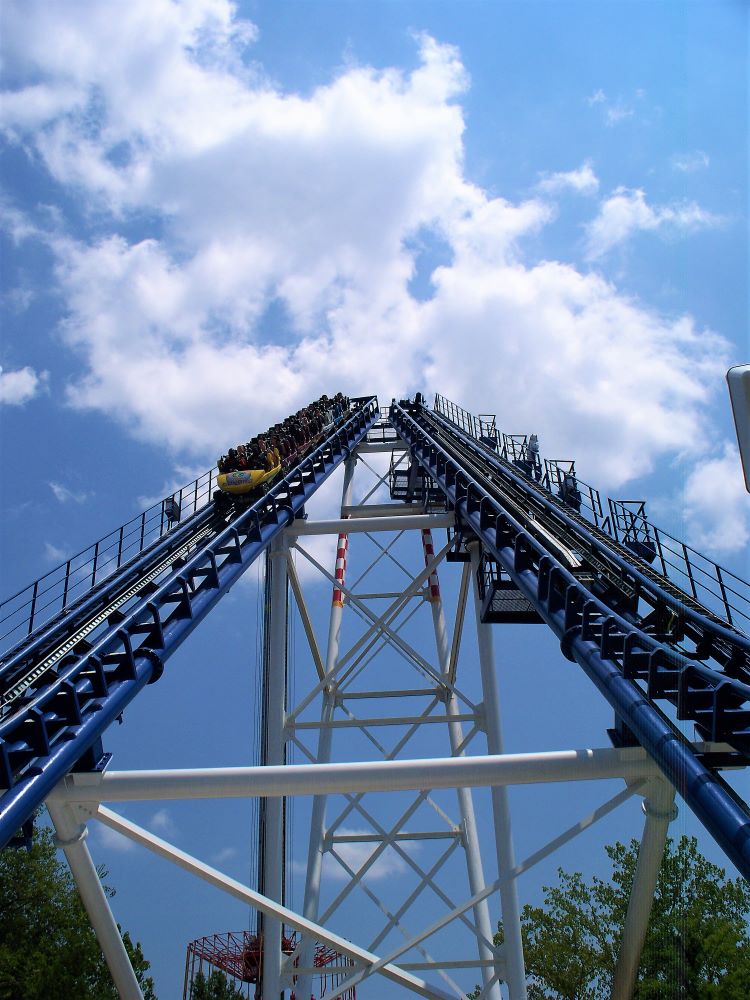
[246, 481]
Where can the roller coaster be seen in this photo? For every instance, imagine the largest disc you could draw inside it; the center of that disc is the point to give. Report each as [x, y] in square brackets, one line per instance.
[660, 630]
[82, 660]
[616, 615]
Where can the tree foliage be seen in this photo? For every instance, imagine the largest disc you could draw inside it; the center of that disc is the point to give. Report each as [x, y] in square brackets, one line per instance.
[216, 987]
[48, 949]
[697, 943]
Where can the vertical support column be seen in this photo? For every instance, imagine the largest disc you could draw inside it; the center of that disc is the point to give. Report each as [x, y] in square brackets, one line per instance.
[465, 802]
[513, 947]
[318, 815]
[71, 837]
[660, 810]
[273, 854]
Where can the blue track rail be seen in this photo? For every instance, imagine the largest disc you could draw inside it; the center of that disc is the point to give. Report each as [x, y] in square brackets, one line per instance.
[711, 636]
[629, 667]
[621, 523]
[53, 638]
[46, 736]
[53, 595]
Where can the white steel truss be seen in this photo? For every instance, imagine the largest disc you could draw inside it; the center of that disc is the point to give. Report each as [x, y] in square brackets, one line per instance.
[352, 704]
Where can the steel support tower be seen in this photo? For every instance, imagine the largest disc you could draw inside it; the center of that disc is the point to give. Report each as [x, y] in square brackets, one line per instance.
[392, 729]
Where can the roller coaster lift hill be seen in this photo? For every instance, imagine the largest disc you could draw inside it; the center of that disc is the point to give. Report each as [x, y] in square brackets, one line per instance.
[613, 607]
[660, 630]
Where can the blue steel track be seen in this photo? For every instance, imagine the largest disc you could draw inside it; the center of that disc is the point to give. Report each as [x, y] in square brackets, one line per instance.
[56, 724]
[629, 667]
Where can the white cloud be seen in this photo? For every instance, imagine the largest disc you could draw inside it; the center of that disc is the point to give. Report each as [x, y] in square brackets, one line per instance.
[64, 495]
[626, 212]
[224, 855]
[267, 196]
[18, 387]
[19, 299]
[717, 506]
[618, 112]
[355, 855]
[583, 180]
[34, 105]
[614, 111]
[56, 554]
[15, 224]
[689, 163]
[183, 476]
[163, 822]
[288, 222]
[112, 840]
[570, 357]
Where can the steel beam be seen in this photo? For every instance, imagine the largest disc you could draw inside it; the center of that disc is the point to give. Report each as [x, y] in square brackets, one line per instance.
[316, 845]
[358, 511]
[630, 764]
[71, 837]
[475, 871]
[93, 690]
[304, 616]
[660, 810]
[513, 944]
[273, 826]
[358, 525]
[599, 640]
[364, 958]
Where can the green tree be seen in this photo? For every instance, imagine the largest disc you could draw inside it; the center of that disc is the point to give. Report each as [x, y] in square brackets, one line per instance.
[48, 950]
[697, 945]
[216, 987]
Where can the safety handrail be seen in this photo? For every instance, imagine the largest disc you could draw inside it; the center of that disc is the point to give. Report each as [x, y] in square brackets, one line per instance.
[58, 628]
[24, 612]
[50, 731]
[723, 592]
[630, 566]
[691, 570]
[612, 650]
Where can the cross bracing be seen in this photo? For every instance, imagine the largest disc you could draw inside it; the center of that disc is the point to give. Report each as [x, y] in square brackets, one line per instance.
[605, 636]
[358, 729]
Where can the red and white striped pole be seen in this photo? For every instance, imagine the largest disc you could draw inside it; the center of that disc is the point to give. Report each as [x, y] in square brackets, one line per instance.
[429, 555]
[340, 571]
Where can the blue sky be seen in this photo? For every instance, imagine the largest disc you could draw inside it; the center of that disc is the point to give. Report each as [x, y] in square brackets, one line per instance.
[212, 213]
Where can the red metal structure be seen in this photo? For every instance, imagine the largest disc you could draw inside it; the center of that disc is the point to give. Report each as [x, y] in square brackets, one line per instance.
[239, 955]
